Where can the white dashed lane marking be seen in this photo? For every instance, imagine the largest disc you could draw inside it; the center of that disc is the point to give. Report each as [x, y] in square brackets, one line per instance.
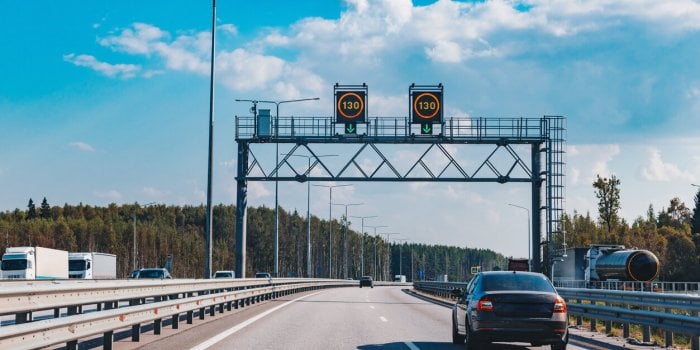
[411, 345]
[383, 319]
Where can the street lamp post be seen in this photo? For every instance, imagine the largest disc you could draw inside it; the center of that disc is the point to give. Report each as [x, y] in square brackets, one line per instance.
[400, 254]
[277, 151]
[308, 209]
[374, 261]
[345, 237]
[330, 225]
[134, 254]
[529, 259]
[362, 245]
[389, 234]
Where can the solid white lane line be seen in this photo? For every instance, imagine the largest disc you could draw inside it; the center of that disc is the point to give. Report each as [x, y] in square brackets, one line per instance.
[383, 319]
[411, 345]
[221, 336]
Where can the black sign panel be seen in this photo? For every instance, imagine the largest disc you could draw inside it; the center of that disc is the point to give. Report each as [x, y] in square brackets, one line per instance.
[350, 106]
[426, 107]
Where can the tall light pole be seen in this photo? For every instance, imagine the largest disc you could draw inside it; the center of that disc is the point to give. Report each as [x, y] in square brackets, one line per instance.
[362, 245]
[308, 208]
[400, 254]
[345, 237]
[374, 262]
[210, 172]
[330, 225]
[529, 259]
[389, 234]
[277, 152]
[134, 256]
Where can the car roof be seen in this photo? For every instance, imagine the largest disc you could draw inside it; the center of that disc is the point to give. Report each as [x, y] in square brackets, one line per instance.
[486, 273]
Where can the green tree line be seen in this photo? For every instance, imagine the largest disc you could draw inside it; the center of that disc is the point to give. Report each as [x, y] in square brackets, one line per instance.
[162, 230]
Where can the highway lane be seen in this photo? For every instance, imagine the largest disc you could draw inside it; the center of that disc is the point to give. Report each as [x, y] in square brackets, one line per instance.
[340, 318]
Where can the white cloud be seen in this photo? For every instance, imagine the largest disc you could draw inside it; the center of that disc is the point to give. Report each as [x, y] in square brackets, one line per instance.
[82, 146]
[657, 170]
[152, 192]
[244, 70]
[199, 195]
[136, 40]
[228, 29]
[124, 71]
[587, 161]
[257, 190]
[112, 195]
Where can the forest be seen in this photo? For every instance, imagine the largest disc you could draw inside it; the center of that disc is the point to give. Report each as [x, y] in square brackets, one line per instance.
[162, 230]
[159, 231]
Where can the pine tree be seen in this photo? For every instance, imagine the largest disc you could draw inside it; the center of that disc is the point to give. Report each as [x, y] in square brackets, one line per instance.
[608, 194]
[45, 209]
[31, 210]
[695, 220]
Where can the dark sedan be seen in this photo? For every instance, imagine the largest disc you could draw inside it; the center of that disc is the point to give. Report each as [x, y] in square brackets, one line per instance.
[510, 306]
[366, 281]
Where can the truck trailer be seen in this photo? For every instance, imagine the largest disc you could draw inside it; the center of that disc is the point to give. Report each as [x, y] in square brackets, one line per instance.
[34, 263]
[92, 265]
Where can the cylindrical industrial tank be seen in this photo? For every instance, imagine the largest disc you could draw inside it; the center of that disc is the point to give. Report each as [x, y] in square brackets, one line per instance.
[628, 265]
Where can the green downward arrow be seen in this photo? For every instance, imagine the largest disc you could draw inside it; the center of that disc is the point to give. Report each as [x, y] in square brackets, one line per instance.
[427, 128]
[350, 128]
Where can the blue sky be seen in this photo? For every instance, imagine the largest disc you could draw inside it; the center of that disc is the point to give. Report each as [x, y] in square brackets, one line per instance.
[108, 102]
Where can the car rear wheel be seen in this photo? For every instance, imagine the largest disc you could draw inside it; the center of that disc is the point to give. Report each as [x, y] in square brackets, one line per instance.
[456, 337]
[558, 346]
[472, 343]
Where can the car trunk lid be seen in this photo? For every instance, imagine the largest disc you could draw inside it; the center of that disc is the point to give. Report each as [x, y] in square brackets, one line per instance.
[523, 304]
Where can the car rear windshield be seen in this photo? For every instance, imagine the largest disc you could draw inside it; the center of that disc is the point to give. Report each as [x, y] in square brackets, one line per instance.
[514, 281]
[151, 274]
[223, 274]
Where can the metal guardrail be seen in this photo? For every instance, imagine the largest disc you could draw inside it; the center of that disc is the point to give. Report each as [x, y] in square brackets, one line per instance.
[171, 298]
[690, 288]
[669, 312]
[31, 296]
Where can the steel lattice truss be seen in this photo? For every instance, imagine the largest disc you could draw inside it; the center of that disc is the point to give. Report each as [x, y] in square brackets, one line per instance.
[486, 171]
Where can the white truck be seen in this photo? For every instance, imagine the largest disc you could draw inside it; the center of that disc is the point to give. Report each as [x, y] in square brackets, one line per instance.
[400, 278]
[34, 263]
[92, 265]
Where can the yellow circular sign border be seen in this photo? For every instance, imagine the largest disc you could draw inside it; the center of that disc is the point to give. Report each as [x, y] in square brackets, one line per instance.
[415, 108]
[359, 98]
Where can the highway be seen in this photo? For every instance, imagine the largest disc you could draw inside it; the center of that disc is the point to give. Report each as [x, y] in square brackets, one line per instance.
[338, 318]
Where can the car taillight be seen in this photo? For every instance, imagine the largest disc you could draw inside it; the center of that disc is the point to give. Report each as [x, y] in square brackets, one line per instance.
[484, 304]
[560, 305]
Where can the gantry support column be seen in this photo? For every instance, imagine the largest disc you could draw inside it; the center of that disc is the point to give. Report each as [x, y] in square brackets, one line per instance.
[241, 208]
[536, 204]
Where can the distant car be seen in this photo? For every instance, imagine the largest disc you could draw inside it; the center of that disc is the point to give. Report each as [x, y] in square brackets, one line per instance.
[262, 275]
[154, 272]
[224, 274]
[366, 281]
[510, 306]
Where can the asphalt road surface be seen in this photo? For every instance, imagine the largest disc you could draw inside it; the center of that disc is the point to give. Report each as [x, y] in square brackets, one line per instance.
[338, 318]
